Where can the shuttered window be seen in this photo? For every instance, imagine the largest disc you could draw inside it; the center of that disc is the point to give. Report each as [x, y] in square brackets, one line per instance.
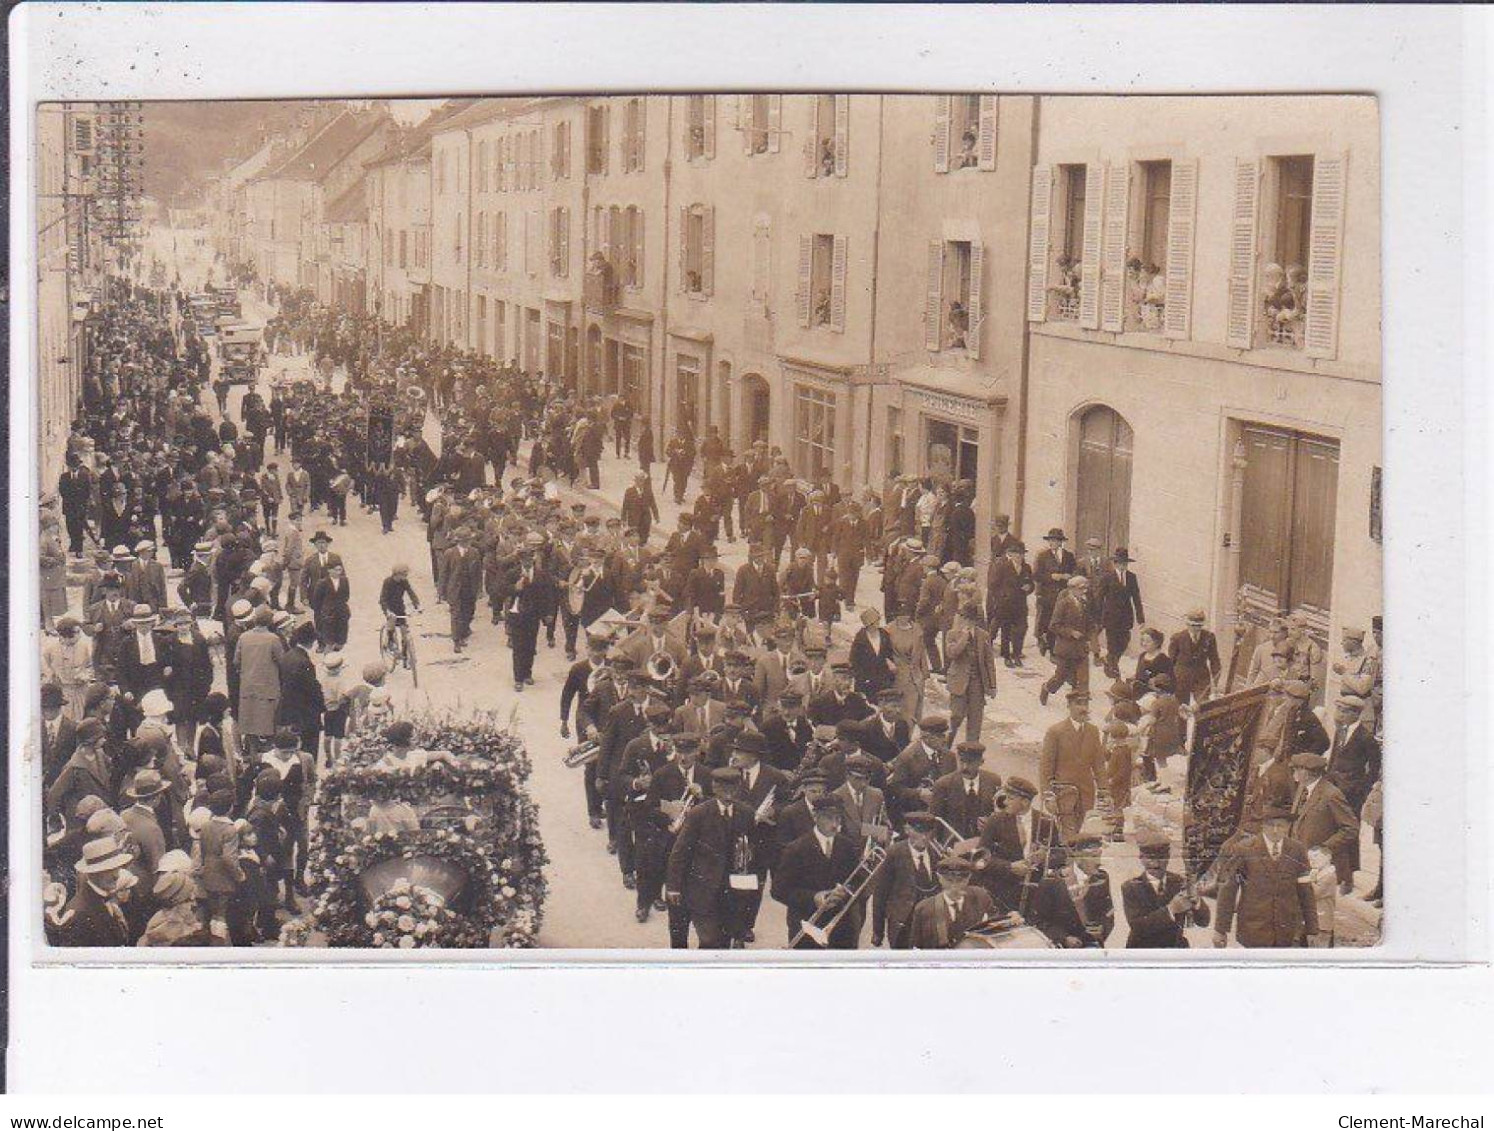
[827, 138]
[823, 267]
[1039, 229]
[698, 249]
[1182, 205]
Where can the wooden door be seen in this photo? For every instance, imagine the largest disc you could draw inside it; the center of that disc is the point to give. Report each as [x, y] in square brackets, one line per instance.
[1287, 524]
[1103, 508]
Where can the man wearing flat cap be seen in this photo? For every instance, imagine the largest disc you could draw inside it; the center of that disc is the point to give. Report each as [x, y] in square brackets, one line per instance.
[788, 732]
[710, 864]
[906, 879]
[911, 777]
[1195, 660]
[1322, 817]
[942, 921]
[810, 878]
[1265, 891]
[1070, 627]
[1072, 768]
[1019, 841]
[1156, 906]
[1354, 757]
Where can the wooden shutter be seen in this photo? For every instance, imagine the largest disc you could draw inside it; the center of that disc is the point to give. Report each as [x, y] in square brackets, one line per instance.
[806, 264]
[565, 243]
[604, 230]
[941, 133]
[708, 250]
[842, 134]
[640, 136]
[638, 247]
[1113, 247]
[775, 121]
[933, 303]
[974, 315]
[1038, 229]
[1089, 277]
[537, 158]
[1177, 318]
[745, 122]
[812, 139]
[606, 136]
[709, 114]
[986, 147]
[838, 269]
[1325, 254]
[1240, 319]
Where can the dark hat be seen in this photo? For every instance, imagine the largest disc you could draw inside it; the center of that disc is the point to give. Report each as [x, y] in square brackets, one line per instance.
[51, 696]
[688, 740]
[1121, 555]
[1277, 813]
[287, 739]
[1127, 711]
[1122, 689]
[705, 631]
[321, 536]
[658, 713]
[921, 819]
[813, 777]
[791, 698]
[933, 724]
[400, 733]
[1055, 534]
[90, 730]
[1298, 689]
[1021, 787]
[1161, 682]
[751, 742]
[847, 729]
[953, 865]
[1016, 548]
[971, 750]
[703, 682]
[826, 804]
[726, 775]
[861, 763]
[1314, 762]
[1088, 842]
[738, 707]
[737, 656]
[841, 666]
[1077, 696]
[889, 695]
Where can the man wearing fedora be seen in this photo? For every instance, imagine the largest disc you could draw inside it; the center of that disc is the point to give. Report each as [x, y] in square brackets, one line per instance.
[1322, 817]
[144, 793]
[1195, 660]
[317, 565]
[144, 658]
[94, 917]
[1119, 600]
[1050, 574]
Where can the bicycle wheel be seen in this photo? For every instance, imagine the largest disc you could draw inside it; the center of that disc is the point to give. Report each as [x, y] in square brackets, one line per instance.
[410, 659]
[387, 653]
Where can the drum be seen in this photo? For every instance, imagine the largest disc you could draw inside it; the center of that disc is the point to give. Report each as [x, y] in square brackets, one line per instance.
[1023, 937]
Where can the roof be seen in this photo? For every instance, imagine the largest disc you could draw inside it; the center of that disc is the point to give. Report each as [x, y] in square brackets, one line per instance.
[327, 147]
[350, 207]
[416, 140]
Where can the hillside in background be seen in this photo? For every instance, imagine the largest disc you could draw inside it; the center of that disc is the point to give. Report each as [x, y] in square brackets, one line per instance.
[188, 141]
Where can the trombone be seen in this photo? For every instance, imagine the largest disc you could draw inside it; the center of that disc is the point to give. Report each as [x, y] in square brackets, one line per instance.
[845, 895]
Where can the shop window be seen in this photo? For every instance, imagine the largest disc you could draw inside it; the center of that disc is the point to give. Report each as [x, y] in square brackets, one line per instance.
[814, 432]
[950, 451]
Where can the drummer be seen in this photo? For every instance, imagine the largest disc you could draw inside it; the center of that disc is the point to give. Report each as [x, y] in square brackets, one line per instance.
[942, 921]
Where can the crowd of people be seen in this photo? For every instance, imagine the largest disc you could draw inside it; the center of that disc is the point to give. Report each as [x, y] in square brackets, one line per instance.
[737, 739]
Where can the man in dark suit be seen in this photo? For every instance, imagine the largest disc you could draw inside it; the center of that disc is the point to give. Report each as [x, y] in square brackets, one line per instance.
[1119, 600]
[905, 880]
[108, 624]
[763, 790]
[75, 489]
[1070, 628]
[965, 798]
[1322, 818]
[840, 701]
[1155, 905]
[628, 780]
[1008, 582]
[145, 583]
[810, 876]
[624, 723]
[1195, 660]
[788, 732]
[461, 584]
[1354, 757]
[711, 862]
[534, 598]
[754, 588]
[640, 510]
[674, 789]
[1262, 892]
[942, 921]
[317, 564]
[911, 777]
[1019, 840]
[302, 703]
[1051, 572]
[144, 656]
[884, 734]
[93, 917]
[59, 734]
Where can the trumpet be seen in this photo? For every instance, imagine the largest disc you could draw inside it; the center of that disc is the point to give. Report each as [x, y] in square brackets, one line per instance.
[583, 753]
[819, 926]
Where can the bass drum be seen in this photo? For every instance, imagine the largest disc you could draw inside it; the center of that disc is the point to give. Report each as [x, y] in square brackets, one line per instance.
[1015, 938]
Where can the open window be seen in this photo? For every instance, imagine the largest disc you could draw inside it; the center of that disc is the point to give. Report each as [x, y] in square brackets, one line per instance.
[761, 122]
[964, 132]
[953, 305]
[826, 144]
[823, 265]
[700, 127]
[596, 139]
[697, 249]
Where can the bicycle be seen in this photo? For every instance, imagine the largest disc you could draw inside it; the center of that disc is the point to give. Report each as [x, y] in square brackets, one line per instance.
[397, 645]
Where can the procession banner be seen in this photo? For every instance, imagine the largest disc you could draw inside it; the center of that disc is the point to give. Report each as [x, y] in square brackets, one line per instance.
[1218, 771]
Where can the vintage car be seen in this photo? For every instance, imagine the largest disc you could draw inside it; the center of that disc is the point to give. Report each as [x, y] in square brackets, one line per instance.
[240, 353]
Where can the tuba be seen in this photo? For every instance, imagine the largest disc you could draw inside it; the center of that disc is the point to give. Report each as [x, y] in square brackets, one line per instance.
[661, 667]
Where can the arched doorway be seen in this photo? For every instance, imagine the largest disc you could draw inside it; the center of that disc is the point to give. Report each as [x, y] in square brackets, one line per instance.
[1103, 492]
[722, 416]
[756, 404]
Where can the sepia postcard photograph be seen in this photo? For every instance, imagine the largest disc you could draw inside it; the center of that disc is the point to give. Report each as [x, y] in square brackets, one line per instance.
[769, 521]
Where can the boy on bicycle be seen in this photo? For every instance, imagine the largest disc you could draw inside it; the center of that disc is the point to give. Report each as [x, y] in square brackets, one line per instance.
[392, 595]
